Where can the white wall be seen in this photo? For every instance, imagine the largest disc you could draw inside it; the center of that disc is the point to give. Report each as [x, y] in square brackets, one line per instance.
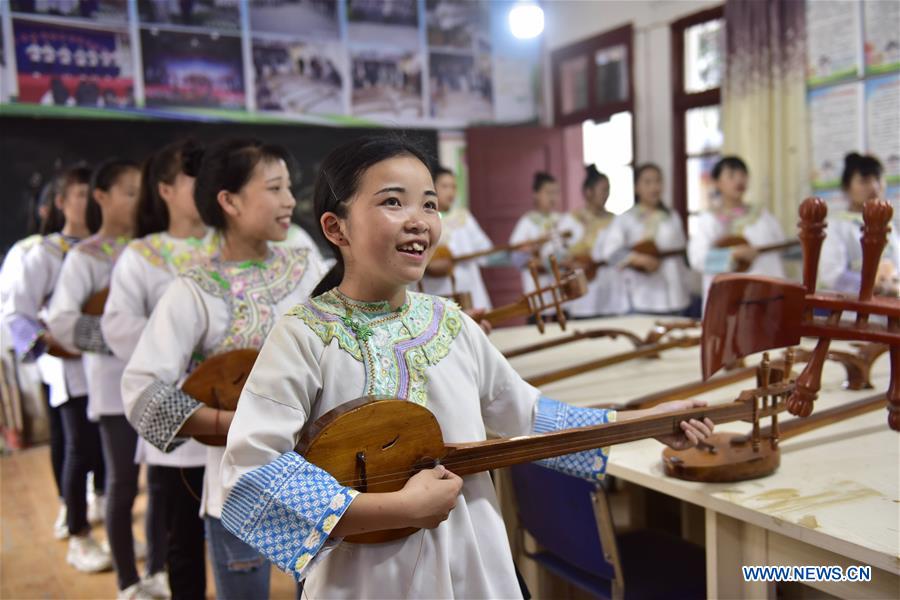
[568, 21]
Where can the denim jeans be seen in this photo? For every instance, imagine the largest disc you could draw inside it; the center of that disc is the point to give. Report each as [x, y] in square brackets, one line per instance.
[241, 573]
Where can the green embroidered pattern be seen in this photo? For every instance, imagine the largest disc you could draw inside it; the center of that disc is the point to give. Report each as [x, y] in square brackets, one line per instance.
[101, 248]
[176, 255]
[395, 346]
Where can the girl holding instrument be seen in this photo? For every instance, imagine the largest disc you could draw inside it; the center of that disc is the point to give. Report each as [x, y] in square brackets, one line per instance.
[841, 260]
[85, 272]
[654, 285]
[461, 234]
[364, 333]
[732, 217]
[172, 238]
[606, 292]
[229, 303]
[64, 374]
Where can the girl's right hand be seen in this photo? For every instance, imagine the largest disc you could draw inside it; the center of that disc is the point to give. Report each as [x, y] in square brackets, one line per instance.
[430, 495]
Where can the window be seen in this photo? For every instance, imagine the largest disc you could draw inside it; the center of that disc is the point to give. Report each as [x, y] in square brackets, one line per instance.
[592, 78]
[698, 54]
[609, 146]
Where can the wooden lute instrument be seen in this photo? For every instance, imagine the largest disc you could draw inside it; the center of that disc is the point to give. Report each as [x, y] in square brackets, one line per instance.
[217, 382]
[93, 307]
[375, 444]
[741, 266]
[648, 247]
[447, 260]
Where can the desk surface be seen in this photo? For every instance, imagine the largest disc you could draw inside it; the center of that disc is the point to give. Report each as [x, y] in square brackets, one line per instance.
[837, 488]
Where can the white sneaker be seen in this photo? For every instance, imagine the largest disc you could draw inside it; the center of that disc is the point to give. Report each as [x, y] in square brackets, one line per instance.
[157, 585]
[135, 591]
[87, 556]
[96, 508]
[60, 527]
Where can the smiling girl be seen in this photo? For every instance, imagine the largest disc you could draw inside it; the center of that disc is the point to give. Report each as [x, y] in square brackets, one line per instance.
[230, 303]
[364, 334]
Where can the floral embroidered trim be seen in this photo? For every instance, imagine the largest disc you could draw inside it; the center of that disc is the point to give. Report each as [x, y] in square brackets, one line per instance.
[553, 415]
[103, 248]
[58, 244]
[286, 510]
[162, 252]
[26, 336]
[160, 412]
[88, 336]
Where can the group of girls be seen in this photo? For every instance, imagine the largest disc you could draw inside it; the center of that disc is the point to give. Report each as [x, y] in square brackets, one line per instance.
[628, 280]
[192, 249]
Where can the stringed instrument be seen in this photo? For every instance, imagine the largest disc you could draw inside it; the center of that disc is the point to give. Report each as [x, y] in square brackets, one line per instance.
[746, 314]
[729, 457]
[742, 265]
[375, 444]
[93, 307]
[447, 260]
[217, 382]
[648, 247]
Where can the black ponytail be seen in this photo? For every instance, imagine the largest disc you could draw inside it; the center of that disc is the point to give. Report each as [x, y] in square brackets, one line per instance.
[865, 165]
[338, 180]
[163, 167]
[592, 176]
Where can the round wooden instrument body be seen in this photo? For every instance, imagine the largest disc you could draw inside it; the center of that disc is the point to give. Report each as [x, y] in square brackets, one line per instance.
[727, 461]
[731, 241]
[441, 263]
[94, 305]
[374, 444]
[218, 383]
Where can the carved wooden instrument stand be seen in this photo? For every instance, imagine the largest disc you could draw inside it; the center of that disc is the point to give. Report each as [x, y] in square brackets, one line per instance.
[747, 314]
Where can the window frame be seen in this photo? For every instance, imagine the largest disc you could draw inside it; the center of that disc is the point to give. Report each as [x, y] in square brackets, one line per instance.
[683, 101]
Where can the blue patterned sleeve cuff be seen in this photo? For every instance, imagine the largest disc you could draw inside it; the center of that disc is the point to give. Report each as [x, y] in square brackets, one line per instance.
[159, 414]
[26, 338]
[553, 415]
[287, 510]
[88, 336]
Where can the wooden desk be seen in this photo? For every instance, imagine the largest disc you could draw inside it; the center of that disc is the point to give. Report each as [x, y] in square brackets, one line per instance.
[835, 499]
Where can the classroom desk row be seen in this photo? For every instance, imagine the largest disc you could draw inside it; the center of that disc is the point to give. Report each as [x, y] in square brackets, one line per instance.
[835, 499]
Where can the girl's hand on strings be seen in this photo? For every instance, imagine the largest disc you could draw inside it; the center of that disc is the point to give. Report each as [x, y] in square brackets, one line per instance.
[692, 432]
[430, 495]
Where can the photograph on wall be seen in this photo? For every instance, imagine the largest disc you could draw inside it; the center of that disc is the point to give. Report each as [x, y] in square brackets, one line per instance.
[104, 11]
[209, 14]
[460, 86]
[883, 123]
[392, 23]
[835, 119]
[386, 83]
[515, 85]
[882, 35]
[192, 69]
[833, 32]
[297, 18]
[72, 66]
[459, 24]
[299, 77]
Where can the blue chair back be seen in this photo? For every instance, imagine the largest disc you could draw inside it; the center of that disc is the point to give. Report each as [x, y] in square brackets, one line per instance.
[557, 511]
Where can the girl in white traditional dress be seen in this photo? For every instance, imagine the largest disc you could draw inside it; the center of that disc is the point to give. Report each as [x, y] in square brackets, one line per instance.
[243, 190]
[653, 286]
[840, 264]
[732, 217]
[462, 234]
[171, 239]
[364, 333]
[65, 376]
[543, 220]
[86, 271]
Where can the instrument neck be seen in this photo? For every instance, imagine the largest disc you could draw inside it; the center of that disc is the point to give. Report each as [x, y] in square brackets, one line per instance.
[465, 459]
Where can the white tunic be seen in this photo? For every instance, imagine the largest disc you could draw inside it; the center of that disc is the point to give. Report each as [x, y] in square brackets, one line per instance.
[333, 349]
[606, 291]
[757, 225]
[840, 263]
[666, 290]
[27, 304]
[533, 225]
[85, 271]
[139, 279]
[210, 309]
[461, 233]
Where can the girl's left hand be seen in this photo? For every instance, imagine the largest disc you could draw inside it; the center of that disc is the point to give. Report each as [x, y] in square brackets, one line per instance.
[692, 432]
